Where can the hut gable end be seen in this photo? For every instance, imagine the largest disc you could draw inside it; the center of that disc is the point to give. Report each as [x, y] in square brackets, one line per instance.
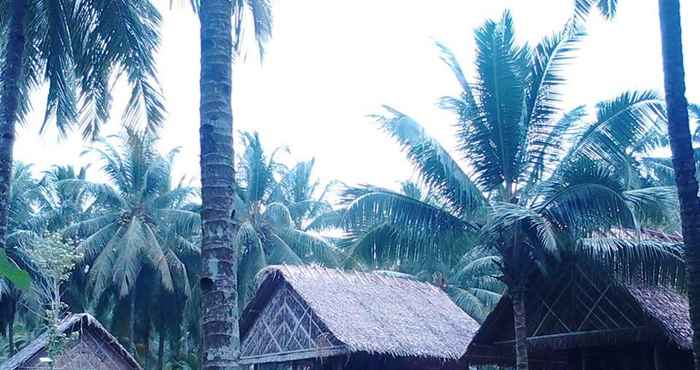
[573, 310]
[89, 346]
[287, 328]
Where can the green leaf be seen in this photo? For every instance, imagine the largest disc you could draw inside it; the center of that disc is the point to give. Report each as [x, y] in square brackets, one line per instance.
[10, 271]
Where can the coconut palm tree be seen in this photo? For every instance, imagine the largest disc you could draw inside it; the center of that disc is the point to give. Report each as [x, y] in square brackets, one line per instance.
[267, 232]
[222, 23]
[683, 155]
[74, 46]
[302, 194]
[140, 228]
[538, 178]
[23, 190]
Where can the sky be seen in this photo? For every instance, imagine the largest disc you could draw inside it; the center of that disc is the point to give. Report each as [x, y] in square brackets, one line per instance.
[331, 64]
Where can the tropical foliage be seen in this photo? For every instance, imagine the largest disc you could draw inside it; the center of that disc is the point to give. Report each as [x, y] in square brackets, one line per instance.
[533, 185]
[540, 185]
[138, 232]
[271, 205]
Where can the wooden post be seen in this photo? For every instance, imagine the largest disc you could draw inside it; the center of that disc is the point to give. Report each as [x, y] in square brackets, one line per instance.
[658, 361]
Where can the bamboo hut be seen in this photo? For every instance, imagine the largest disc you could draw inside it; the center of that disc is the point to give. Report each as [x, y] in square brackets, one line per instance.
[579, 322]
[315, 318]
[92, 347]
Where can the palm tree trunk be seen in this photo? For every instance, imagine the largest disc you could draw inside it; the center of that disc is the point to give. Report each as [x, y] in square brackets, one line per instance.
[132, 322]
[11, 337]
[520, 320]
[682, 150]
[221, 343]
[161, 349]
[11, 76]
[147, 346]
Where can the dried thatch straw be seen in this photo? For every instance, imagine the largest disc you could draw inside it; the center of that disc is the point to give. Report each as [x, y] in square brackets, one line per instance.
[373, 313]
[668, 309]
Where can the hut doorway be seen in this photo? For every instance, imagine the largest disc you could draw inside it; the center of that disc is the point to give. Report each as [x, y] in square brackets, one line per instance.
[605, 358]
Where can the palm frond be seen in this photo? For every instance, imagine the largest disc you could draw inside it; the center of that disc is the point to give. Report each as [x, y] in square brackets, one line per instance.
[436, 167]
[546, 78]
[57, 50]
[546, 144]
[630, 257]
[372, 205]
[260, 12]
[279, 252]
[619, 124]
[653, 206]
[468, 302]
[126, 34]
[582, 9]
[127, 261]
[310, 247]
[492, 136]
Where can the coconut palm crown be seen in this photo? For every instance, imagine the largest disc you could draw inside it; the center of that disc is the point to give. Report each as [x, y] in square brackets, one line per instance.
[142, 222]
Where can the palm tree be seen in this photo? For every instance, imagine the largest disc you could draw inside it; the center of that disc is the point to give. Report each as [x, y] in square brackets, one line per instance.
[23, 190]
[539, 179]
[75, 46]
[302, 194]
[268, 234]
[683, 155]
[140, 229]
[218, 37]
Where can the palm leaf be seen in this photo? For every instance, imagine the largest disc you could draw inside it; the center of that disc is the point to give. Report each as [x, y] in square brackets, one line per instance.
[436, 167]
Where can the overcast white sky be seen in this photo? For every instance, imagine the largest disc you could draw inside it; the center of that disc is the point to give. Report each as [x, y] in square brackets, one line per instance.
[330, 63]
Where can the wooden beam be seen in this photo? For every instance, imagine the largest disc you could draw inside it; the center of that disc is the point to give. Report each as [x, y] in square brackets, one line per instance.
[600, 337]
[549, 310]
[295, 355]
[595, 305]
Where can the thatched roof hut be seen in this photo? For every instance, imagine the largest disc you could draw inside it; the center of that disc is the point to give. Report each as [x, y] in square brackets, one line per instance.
[317, 318]
[93, 348]
[576, 321]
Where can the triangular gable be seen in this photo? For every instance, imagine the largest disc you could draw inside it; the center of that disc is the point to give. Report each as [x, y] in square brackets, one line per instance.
[89, 346]
[287, 329]
[575, 309]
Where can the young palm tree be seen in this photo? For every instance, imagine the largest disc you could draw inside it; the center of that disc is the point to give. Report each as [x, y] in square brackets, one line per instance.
[218, 36]
[140, 228]
[75, 46]
[267, 232]
[302, 194]
[539, 178]
[23, 190]
[683, 155]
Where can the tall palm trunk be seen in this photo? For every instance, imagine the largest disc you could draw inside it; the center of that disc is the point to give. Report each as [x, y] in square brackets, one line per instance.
[11, 76]
[221, 343]
[161, 349]
[683, 161]
[132, 322]
[11, 337]
[520, 320]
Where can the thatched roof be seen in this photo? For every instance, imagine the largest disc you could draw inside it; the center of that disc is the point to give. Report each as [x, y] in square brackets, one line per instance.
[668, 309]
[663, 316]
[373, 313]
[71, 324]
